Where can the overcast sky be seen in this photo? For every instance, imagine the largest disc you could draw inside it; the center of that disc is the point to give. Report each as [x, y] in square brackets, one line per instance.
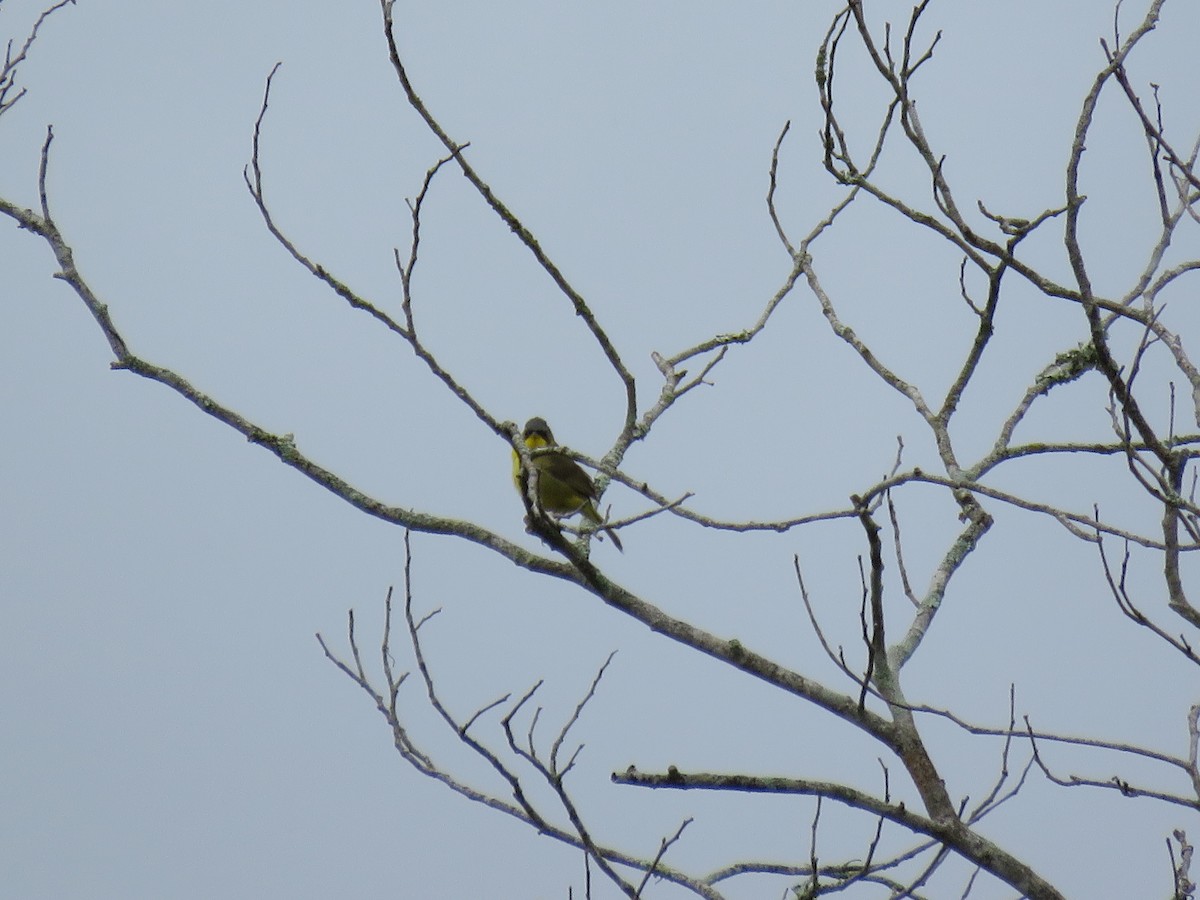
[170, 727]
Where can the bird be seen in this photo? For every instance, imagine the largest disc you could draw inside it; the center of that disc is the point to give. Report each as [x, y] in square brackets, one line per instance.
[563, 487]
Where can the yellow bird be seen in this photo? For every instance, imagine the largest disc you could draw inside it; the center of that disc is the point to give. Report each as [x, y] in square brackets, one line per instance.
[563, 487]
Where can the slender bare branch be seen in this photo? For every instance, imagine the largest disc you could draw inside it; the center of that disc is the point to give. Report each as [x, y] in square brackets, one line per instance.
[12, 61]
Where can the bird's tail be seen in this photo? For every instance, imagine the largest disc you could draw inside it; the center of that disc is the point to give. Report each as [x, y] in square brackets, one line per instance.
[592, 515]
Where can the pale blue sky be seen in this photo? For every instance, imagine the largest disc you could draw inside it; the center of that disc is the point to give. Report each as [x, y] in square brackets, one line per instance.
[170, 727]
